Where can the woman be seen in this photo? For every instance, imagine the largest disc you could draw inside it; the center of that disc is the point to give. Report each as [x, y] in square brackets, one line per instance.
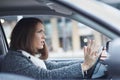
[27, 40]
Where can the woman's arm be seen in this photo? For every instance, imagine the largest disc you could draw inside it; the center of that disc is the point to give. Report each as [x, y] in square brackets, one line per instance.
[23, 66]
[18, 64]
[68, 72]
[54, 65]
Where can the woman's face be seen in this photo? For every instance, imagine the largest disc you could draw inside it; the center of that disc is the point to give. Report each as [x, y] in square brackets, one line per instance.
[39, 38]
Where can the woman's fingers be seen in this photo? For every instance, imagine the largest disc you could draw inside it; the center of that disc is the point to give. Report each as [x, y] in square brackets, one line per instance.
[92, 47]
[89, 45]
[85, 50]
[92, 43]
[104, 55]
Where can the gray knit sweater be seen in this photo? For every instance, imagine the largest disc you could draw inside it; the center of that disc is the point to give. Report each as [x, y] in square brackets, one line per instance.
[17, 63]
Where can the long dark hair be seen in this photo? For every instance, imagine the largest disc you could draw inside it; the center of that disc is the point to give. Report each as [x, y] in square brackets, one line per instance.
[23, 34]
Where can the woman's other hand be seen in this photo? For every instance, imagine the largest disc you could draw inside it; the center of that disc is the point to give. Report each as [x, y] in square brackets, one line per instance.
[90, 55]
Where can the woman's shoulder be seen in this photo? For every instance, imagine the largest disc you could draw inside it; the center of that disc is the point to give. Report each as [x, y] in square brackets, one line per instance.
[14, 61]
[14, 56]
[12, 52]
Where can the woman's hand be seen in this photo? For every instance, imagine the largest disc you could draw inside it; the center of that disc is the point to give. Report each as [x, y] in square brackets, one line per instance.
[90, 55]
[104, 55]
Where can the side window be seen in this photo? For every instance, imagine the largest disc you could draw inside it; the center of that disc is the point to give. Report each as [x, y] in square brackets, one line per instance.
[65, 37]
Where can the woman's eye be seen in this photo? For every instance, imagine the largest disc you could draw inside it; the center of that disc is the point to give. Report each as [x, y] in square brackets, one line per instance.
[40, 31]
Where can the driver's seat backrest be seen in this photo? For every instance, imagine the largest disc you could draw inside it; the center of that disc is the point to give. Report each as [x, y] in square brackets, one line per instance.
[2, 51]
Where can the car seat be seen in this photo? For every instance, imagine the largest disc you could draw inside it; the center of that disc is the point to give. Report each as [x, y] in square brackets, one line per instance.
[3, 46]
[2, 51]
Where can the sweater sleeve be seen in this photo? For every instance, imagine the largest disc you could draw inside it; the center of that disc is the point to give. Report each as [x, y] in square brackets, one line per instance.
[68, 72]
[54, 65]
[23, 66]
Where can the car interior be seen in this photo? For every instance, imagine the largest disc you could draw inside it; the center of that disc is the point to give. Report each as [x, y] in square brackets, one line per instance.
[60, 8]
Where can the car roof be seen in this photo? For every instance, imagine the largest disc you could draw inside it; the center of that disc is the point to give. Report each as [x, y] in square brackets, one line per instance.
[23, 7]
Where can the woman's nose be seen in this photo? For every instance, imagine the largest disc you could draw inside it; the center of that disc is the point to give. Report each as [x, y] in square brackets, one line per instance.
[44, 36]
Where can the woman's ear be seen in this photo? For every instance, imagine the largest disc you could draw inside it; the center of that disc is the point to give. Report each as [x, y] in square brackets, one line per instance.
[44, 52]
